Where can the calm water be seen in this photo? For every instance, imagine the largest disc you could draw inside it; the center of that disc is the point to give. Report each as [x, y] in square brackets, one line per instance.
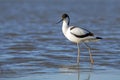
[32, 46]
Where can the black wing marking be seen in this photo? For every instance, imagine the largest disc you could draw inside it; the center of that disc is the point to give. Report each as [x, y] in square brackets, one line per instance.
[84, 35]
[72, 27]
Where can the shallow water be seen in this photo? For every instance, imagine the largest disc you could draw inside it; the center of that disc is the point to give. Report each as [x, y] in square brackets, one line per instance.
[32, 46]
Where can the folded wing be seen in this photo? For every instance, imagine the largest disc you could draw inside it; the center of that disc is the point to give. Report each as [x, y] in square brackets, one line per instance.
[80, 32]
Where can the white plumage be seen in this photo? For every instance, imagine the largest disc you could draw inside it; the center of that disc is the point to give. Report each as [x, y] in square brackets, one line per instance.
[77, 34]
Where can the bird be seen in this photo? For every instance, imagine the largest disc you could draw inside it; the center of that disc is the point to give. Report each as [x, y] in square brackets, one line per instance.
[78, 35]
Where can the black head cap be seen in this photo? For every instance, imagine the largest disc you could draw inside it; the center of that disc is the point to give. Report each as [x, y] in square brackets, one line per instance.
[64, 16]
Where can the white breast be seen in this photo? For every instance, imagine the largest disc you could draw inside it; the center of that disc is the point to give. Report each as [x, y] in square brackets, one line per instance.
[71, 37]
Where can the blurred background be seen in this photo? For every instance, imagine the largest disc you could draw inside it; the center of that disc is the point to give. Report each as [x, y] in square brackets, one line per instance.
[32, 43]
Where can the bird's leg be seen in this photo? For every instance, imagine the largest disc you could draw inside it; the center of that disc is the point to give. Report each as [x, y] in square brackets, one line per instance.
[91, 58]
[78, 57]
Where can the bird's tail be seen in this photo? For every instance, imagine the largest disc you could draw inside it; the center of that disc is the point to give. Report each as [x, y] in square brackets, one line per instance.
[93, 39]
[99, 38]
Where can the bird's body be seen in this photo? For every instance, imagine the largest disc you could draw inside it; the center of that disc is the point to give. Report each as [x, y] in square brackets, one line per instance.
[77, 34]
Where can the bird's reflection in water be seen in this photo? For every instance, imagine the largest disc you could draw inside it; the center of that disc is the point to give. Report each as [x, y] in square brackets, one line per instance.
[78, 64]
[89, 72]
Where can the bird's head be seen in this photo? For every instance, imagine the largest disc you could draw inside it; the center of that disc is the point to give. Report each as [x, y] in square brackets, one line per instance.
[64, 16]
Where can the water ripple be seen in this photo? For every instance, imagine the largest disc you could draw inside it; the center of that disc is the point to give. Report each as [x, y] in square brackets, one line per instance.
[31, 42]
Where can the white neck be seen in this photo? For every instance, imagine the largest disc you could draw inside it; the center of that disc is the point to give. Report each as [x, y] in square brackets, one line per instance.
[65, 26]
